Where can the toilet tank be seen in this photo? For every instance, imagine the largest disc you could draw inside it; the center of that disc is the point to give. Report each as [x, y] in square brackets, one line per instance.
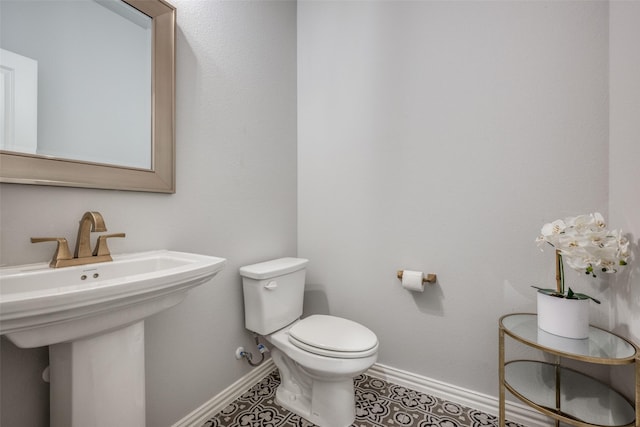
[273, 293]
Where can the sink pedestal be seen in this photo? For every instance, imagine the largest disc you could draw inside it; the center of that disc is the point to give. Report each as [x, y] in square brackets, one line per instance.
[99, 381]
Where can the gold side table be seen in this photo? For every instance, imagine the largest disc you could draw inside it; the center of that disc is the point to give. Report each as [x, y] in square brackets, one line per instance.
[564, 394]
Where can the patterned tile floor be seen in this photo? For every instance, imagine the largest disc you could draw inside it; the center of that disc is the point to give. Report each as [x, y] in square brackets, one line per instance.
[378, 404]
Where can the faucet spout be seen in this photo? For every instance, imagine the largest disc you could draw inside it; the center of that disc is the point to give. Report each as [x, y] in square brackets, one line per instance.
[91, 221]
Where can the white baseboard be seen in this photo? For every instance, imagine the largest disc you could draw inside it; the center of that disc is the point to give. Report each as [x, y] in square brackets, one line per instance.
[515, 412]
[218, 402]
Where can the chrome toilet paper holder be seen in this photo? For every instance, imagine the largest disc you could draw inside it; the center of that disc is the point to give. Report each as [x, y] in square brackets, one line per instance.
[428, 278]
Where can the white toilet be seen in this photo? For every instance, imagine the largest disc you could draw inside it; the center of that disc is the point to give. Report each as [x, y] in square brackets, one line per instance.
[317, 356]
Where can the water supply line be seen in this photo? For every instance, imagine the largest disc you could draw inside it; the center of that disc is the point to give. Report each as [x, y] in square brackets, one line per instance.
[241, 353]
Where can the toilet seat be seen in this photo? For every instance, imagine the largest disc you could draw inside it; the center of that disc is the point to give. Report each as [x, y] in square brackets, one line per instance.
[333, 337]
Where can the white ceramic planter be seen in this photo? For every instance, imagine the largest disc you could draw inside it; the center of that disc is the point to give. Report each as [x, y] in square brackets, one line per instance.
[567, 318]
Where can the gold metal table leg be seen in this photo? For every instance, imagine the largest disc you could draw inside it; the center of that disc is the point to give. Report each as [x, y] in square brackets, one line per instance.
[501, 415]
[637, 391]
[558, 385]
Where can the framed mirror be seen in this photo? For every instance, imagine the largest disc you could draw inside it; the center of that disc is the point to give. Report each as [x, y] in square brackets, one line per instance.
[141, 120]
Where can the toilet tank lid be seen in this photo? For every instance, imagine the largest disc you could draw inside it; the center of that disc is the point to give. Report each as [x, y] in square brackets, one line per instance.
[273, 268]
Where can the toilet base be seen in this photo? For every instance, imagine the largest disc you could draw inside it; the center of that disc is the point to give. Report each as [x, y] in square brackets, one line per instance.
[326, 402]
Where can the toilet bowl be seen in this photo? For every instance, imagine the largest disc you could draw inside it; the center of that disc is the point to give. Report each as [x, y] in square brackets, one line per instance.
[317, 356]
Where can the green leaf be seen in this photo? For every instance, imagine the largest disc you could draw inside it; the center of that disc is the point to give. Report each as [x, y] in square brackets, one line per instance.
[576, 295]
[570, 294]
[551, 292]
[585, 296]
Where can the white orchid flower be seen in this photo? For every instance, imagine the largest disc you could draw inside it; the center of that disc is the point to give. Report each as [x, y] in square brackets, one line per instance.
[586, 244]
[599, 221]
[553, 228]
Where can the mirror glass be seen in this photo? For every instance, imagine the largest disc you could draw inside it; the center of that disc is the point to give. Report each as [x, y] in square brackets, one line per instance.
[58, 88]
[87, 93]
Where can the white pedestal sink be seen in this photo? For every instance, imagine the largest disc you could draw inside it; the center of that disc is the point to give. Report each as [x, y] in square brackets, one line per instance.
[92, 317]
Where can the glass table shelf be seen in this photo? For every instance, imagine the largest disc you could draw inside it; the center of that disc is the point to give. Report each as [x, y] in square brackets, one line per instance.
[600, 347]
[581, 397]
[567, 395]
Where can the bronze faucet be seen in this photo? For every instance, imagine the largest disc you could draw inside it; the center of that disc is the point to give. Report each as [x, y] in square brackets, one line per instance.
[91, 221]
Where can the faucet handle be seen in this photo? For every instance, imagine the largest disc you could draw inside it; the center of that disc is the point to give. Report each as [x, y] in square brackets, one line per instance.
[62, 249]
[101, 244]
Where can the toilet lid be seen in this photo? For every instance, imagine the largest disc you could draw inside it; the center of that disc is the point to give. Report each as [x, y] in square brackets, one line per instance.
[333, 336]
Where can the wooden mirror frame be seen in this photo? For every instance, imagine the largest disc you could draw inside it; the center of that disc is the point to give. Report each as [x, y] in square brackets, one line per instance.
[19, 168]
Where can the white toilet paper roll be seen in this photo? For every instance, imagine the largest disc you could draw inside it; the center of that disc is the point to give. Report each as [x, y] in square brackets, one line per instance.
[412, 280]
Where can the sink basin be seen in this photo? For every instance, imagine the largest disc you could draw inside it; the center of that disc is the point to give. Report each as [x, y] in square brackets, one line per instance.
[92, 319]
[42, 306]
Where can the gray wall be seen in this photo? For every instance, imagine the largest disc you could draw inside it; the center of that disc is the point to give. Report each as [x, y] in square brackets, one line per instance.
[440, 136]
[624, 166]
[236, 198]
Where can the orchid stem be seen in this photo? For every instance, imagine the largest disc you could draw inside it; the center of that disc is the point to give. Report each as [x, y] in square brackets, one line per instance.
[559, 273]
